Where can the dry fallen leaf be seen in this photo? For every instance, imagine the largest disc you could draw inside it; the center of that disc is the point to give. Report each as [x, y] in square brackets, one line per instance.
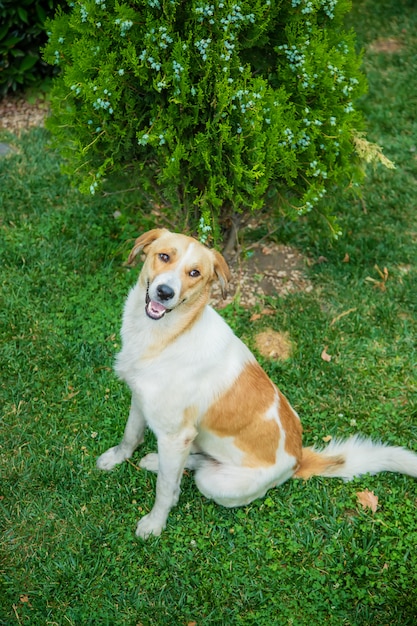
[379, 284]
[327, 438]
[258, 316]
[368, 500]
[71, 394]
[346, 258]
[338, 317]
[325, 356]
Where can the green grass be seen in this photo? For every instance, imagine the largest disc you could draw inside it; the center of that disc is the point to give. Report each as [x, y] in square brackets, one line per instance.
[307, 553]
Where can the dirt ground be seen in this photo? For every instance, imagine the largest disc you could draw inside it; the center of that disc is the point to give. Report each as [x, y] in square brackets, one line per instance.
[17, 114]
[267, 269]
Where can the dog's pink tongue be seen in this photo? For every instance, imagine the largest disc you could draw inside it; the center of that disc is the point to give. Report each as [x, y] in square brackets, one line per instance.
[155, 309]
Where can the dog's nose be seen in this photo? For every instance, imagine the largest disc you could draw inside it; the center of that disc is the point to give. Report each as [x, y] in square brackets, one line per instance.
[165, 292]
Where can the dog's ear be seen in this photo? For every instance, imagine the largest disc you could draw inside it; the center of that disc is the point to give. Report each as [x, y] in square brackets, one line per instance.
[222, 271]
[143, 242]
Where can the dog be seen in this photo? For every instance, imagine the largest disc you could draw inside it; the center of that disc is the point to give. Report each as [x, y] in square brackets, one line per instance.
[212, 407]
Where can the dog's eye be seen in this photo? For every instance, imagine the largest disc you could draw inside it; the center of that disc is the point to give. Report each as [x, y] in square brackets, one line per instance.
[163, 257]
[194, 273]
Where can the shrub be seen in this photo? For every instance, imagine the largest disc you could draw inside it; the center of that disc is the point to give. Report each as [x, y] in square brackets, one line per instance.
[219, 107]
[22, 33]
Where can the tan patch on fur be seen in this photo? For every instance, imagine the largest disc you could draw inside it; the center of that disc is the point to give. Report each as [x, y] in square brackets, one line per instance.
[222, 272]
[292, 428]
[146, 239]
[190, 417]
[240, 413]
[314, 464]
[189, 424]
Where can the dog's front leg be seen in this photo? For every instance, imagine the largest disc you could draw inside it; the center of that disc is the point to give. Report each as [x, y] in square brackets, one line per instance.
[132, 437]
[173, 451]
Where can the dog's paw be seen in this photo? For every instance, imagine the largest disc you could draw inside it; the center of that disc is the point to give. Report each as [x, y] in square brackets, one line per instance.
[149, 526]
[150, 462]
[110, 458]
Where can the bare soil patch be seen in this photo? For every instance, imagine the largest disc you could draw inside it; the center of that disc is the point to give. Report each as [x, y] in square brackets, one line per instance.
[389, 45]
[273, 345]
[17, 114]
[270, 270]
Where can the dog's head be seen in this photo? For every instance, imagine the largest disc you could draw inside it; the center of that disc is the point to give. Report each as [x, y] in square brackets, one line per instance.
[178, 270]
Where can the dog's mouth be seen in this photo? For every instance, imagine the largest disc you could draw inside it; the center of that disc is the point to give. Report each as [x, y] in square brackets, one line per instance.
[155, 310]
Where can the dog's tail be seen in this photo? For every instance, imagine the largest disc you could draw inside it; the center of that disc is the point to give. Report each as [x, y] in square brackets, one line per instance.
[356, 456]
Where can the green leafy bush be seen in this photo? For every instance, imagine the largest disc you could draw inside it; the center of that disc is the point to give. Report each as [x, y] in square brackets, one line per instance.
[22, 33]
[220, 107]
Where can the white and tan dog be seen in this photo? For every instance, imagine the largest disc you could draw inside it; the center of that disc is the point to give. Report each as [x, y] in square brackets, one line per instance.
[211, 406]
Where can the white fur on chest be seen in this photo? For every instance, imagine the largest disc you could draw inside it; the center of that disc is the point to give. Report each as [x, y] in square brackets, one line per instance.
[191, 371]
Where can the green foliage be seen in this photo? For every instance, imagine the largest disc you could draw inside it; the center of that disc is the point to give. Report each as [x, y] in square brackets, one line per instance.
[22, 33]
[218, 108]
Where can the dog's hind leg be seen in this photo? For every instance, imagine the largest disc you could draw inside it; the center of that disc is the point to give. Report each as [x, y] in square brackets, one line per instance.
[232, 486]
[132, 437]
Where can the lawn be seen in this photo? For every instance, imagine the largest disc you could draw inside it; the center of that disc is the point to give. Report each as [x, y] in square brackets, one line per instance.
[308, 553]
